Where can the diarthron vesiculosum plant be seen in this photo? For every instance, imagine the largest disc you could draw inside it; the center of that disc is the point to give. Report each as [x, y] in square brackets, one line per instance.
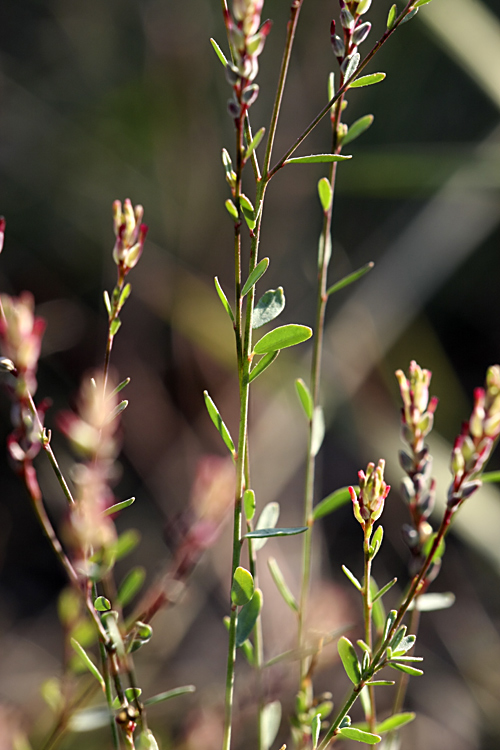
[102, 634]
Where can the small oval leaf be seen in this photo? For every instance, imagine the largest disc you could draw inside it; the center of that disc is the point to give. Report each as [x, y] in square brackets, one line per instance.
[255, 275]
[271, 720]
[249, 504]
[405, 668]
[283, 337]
[351, 733]
[357, 129]
[325, 193]
[247, 618]
[349, 659]
[243, 586]
[223, 299]
[267, 520]
[367, 81]
[305, 398]
[395, 722]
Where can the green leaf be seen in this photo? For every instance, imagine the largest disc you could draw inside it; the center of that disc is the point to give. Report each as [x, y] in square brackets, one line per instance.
[357, 129]
[331, 90]
[243, 586]
[117, 411]
[367, 81]
[160, 697]
[352, 277]
[315, 730]
[125, 543]
[317, 159]
[248, 211]
[438, 554]
[352, 578]
[254, 143]
[405, 668]
[115, 327]
[317, 431]
[384, 590]
[117, 507]
[223, 299]
[349, 659]
[377, 541]
[255, 275]
[392, 16]
[391, 619]
[219, 424]
[395, 722]
[433, 602]
[147, 740]
[231, 209]
[268, 533]
[419, 3]
[405, 645]
[124, 295]
[380, 683]
[249, 504]
[270, 305]
[363, 7]
[305, 398]
[131, 585]
[352, 66]
[267, 520]
[325, 193]
[247, 618]
[120, 387]
[282, 337]
[271, 720]
[332, 502]
[220, 54]
[107, 303]
[281, 584]
[102, 604]
[351, 733]
[262, 365]
[88, 662]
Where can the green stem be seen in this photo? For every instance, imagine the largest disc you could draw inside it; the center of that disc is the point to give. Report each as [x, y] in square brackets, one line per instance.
[109, 694]
[367, 616]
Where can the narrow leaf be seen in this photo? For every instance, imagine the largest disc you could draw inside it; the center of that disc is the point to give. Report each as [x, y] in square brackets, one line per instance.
[317, 431]
[384, 589]
[392, 16]
[117, 507]
[262, 365]
[305, 398]
[351, 278]
[433, 602]
[243, 586]
[331, 90]
[219, 424]
[391, 619]
[367, 81]
[254, 143]
[281, 585]
[282, 337]
[107, 302]
[120, 387]
[117, 411]
[267, 520]
[223, 299]
[315, 730]
[88, 662]
[352, 65]
[407, 669]
[115, 326]
[404, 645]
[220, 54]
[419, 3]
[130, 585]
[255, 275]
[249, 504]
[325, 193]
[377, 683]
[271, 720]
[248, 617]
[349, 659]
[491, 476]
[317, 159]
[332, 502]
[395, 722]
[231, 209]
[268, 533]
[376, 541]
[410, 15]
[248, 211]
[124, 295]
[352, 578]
[357, 129]
[351, 733]
[270, 305]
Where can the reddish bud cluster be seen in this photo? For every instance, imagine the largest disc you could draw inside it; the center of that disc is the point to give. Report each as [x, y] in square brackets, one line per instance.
[130, 235]
[373, 491]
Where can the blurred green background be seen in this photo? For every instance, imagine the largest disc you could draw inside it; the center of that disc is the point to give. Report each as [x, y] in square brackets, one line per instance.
[111, 99]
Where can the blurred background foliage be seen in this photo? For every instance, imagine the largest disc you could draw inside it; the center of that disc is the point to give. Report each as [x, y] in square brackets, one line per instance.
[124, 98]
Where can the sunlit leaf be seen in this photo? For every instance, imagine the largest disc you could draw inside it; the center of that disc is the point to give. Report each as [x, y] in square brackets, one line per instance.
[325, 193]
[117, 507]
[305, 398]
[350, 279]
[219, 424]
[268, 533]
[282, 337]
[243, 586]
[223, 299]
[352, 578]
[249, 504]
[267, 520]
[351, 733]
[262, 365]
[317, 159]
[88, 662]
[433, 601]
[349, 659]
[220, 54]
[254, 143]
[367, 81]
[332, 502]
[406, 668]
[318, 430]
[160, 697]
[271, 720]
[247, 618]
[255, 275]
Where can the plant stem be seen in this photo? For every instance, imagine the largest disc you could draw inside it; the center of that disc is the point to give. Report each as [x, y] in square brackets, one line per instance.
[341, 91]
[367, 616]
